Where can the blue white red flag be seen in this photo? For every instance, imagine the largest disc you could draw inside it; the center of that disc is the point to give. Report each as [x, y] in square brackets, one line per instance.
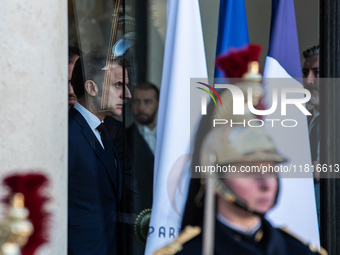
[296, 204]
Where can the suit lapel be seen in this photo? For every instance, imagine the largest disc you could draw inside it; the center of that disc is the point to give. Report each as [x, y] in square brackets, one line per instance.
[118, 173]
[109, 163]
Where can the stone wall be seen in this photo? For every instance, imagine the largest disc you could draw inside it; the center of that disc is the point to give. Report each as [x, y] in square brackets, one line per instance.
[33, 105]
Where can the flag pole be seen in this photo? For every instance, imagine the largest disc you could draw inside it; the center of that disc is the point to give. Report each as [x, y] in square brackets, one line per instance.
[209, 218]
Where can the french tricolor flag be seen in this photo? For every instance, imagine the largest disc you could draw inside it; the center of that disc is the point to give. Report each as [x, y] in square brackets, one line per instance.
[296, 207]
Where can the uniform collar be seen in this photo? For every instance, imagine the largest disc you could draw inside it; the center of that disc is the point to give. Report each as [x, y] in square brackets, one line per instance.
[237, 227]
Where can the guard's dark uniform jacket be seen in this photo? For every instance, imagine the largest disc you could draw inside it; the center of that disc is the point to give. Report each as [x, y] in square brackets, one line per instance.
[266, 241]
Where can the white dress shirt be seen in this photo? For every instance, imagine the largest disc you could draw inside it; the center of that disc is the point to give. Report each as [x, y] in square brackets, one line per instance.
[91, 119]
[149, 136]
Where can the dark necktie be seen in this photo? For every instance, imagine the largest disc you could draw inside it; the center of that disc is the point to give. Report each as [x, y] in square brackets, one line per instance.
[106, 141]
[110, 151]
[104, 135]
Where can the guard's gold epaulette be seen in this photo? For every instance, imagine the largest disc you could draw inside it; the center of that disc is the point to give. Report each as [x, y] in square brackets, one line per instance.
[187, 234]
[322, 251]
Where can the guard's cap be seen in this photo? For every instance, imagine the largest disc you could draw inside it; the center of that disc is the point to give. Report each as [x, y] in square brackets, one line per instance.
[226, 145]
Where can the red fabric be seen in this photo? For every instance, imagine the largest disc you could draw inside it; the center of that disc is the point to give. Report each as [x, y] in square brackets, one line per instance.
[30, 185]
[235, 62]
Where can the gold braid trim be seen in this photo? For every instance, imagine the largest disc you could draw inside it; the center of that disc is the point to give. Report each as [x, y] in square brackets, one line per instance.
[322, 251]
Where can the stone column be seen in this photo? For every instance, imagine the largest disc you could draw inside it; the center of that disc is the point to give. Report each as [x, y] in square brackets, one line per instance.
[33, 105]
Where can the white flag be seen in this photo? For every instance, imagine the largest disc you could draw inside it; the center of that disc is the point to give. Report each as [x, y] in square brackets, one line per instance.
[184, 58]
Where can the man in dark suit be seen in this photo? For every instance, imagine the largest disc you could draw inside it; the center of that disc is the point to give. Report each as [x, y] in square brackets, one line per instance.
[310, 73]
[95, 177]
[142, 138]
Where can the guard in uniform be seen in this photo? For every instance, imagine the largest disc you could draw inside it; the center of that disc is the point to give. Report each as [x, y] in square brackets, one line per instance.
[242, 199]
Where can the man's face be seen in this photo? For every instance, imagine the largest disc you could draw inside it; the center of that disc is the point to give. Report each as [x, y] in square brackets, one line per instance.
[145, 106]
[115, 89]
[310, 72]
[72, 98]
[257, 189]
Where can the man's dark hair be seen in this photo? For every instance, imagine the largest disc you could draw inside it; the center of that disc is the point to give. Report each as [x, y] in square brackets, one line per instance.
[90, 67]
[146, 86]
[311, 51]
[74, 51]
